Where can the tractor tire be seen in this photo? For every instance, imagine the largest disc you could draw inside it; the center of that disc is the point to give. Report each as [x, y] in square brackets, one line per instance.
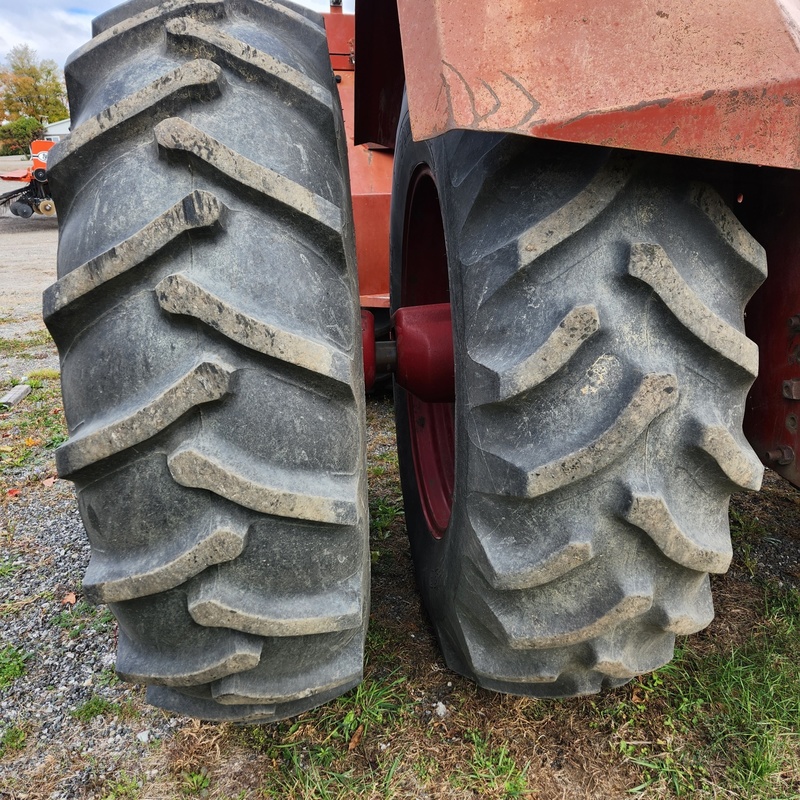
[206, 313]
[565, 511]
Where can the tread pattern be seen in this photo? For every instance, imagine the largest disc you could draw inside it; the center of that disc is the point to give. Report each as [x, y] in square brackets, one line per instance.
[655, 394]
[251, 63]
[509, 380]
[178, 135]
[595, 454]
[737, 461]
[571, 218]
[210, 347]
[113, 577]
[195, 211]
[704, 551]
[192, 467]
[179, 294]
[199, 79]
[650, 264]
[208, 381]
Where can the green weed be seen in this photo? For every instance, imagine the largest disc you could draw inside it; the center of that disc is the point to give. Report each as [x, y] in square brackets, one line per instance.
[8, 568]
[12, 664]
[383, 514]
[108, 677]
[125, 787]
[12, 738]
[74, 620]
[490, 769]
[95, 706]
[196, 783]
[103, 620]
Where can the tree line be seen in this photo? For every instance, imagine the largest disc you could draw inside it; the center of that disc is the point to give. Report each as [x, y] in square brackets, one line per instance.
[32, 94]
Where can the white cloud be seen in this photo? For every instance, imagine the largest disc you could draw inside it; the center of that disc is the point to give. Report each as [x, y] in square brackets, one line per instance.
[55, 28]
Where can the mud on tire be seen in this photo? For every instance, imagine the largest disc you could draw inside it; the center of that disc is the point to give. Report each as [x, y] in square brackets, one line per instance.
[206, 316]
[601, 372]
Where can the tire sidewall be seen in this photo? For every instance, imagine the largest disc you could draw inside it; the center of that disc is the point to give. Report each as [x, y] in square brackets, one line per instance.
[436, 561]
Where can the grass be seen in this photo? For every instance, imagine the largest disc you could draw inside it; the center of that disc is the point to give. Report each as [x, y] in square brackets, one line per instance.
[83, 615]
[32, 429]
[727, 720]
[95, 706]
[20, 345]
[11, 739]
[12, 664]
[745, 531]
[491, 770]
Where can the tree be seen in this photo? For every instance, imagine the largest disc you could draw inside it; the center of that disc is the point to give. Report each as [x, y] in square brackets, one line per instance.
[31, 88]
[16, 136]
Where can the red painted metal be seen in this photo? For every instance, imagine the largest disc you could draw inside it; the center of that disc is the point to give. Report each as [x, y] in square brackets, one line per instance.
[425, 364]
[425, 284]
[39, 152]
[22, 175]
[718, 79]
[341, 33]
[370, 175]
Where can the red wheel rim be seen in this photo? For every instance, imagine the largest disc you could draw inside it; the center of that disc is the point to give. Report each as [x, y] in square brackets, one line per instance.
[425, 281]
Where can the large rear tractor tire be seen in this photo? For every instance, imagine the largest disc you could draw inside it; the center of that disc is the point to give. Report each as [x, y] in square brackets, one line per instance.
[206, 312]
[565, 511]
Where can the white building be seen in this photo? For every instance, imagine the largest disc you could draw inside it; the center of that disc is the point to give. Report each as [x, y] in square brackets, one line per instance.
[56, 131]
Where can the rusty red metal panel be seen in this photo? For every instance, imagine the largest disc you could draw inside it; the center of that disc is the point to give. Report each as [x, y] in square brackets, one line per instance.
[340, 29]
[718, 79]
[371, 190]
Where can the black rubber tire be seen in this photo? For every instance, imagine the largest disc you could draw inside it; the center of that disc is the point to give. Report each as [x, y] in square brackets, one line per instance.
[207, 317]
[601, 371]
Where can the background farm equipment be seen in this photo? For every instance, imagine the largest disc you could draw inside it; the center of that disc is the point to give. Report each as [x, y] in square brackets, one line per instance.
[34, 195]
[570, 247]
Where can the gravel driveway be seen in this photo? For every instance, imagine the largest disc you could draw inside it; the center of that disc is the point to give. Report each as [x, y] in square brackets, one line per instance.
[68, 646]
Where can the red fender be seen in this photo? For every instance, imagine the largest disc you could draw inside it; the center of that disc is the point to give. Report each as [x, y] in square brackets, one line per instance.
[718, 79]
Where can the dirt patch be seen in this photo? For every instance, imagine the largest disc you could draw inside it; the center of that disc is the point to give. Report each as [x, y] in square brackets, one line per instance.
[27, 267]
[27, 264]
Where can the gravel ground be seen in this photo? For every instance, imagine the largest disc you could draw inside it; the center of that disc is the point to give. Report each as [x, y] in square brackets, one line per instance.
[70, 658]
[69, 646]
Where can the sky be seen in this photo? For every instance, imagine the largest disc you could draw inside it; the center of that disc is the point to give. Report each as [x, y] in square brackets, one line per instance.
[54, 28]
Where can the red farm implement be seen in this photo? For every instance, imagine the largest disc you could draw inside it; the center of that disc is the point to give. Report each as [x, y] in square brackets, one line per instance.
[34, 194]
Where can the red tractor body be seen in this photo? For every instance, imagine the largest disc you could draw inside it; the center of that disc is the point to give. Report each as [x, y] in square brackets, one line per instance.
[709, 81]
